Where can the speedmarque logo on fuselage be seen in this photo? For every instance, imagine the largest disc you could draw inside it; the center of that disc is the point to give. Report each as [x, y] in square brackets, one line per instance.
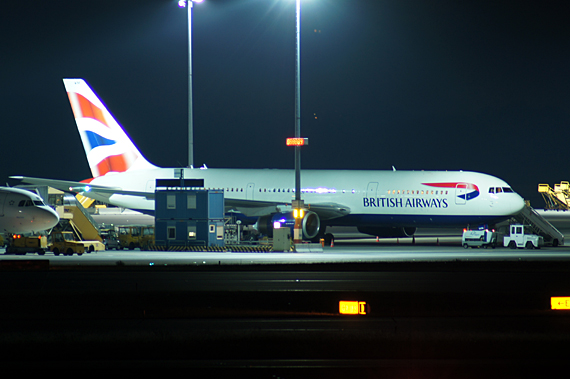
[462, 190]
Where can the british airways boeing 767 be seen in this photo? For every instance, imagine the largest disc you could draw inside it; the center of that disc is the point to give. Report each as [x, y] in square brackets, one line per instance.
[380, 203]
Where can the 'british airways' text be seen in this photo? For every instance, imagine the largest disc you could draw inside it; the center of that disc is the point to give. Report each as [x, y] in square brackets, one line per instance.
[394, 202]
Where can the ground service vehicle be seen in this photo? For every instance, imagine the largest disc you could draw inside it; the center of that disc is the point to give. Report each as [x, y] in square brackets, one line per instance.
[147, 237]
[129, 237]
[133, 236]
[110, 239]
[19, 244]
[480, 237]
[518, 238]
[65, 243]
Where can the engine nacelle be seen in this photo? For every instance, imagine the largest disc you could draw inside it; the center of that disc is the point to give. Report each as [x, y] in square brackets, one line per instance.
[387, 232]
[310, 224]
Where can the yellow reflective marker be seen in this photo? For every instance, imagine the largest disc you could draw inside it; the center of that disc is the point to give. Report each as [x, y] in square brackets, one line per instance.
[560, 302]
[352, 307]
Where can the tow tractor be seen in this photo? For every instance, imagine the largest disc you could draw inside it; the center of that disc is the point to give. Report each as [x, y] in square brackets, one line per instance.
[518, 238]
[482, 237]
[65, 243]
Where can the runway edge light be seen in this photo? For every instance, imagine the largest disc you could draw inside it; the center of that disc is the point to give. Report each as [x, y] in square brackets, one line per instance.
[347, 307]
[560, 302]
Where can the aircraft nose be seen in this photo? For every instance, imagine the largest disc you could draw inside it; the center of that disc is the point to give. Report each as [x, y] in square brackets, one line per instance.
[50, 219]
[518, 204]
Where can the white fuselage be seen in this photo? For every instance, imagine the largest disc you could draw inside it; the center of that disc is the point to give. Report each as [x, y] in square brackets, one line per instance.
[392, 198]
[24, 212]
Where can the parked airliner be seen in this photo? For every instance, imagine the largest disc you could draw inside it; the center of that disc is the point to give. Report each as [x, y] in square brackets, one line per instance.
[24, 212]
[380, 203]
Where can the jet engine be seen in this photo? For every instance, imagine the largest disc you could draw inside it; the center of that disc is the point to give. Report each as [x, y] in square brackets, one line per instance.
[387, 232]
[310, 224]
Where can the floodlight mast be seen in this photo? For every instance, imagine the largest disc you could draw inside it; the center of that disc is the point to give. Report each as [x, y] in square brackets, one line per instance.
[182, 4]
[298, 103]
[298, 203]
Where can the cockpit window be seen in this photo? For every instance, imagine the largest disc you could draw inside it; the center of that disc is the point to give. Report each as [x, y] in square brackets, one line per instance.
[39, 202]
[500, 189]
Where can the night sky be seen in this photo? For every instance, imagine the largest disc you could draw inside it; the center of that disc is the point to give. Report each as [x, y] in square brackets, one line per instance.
[432, 85]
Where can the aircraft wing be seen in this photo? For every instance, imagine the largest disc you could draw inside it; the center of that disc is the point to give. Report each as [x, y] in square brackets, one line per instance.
[83, 188]
[255, 208]
[250, 208]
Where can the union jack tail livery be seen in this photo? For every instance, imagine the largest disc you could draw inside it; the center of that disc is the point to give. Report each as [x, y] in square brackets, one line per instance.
[107, 146]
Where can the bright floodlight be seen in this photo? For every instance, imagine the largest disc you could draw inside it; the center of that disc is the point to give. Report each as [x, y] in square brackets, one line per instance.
[182, 3]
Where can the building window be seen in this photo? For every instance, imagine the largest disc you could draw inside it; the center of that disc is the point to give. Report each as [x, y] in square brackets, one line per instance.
[171, 232]
[191, 232]
[191, 201]
[170, 201]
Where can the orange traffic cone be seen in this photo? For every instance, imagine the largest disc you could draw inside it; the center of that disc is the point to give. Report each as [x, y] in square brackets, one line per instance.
[332, 242]
[377, 239]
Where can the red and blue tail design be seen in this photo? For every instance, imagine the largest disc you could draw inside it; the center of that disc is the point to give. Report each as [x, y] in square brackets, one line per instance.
[107, 146]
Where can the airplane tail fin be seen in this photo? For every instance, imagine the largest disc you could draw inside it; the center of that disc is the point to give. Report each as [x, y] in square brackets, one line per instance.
[107, 146]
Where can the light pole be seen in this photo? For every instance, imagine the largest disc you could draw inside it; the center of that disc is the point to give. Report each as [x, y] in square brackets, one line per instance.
[298, 204]
[182, 4]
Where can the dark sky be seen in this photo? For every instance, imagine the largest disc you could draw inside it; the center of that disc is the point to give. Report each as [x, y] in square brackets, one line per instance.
[415, 84]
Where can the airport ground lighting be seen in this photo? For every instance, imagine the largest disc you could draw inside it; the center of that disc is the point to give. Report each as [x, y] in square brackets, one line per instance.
[189, 4]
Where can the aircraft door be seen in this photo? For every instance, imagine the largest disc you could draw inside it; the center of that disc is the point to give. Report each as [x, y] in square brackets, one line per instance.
[460, 193]
[249, 191]
[2, 198]
[372, 190]
[150, 186]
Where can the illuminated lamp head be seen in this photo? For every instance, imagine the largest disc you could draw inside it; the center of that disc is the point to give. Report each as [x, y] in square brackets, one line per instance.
[298, 213]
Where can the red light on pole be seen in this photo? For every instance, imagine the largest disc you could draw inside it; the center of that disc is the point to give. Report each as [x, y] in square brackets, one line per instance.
[297, 141]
